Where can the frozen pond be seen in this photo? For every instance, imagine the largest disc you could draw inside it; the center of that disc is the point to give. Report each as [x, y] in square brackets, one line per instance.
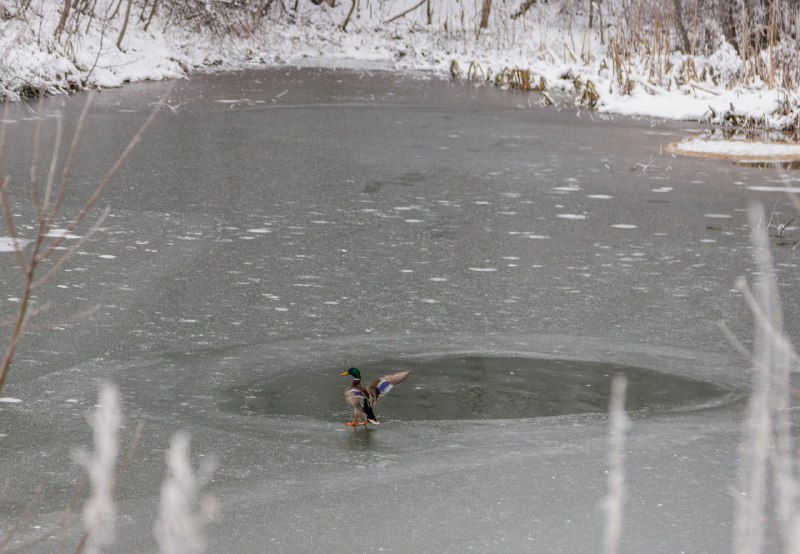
[460, 387]
[280, 226]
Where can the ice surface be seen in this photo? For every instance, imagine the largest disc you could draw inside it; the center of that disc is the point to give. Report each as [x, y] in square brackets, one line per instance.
[211, 334]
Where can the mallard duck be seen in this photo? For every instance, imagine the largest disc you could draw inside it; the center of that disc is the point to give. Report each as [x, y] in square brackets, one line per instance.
[363, 399]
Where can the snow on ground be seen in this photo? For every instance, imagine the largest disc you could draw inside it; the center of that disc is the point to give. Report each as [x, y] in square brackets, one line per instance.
[697, 104]
[559, 52]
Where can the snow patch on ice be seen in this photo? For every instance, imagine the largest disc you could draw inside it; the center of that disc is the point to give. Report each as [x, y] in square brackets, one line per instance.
[740, 149]
[7, 244]
[529, 234]
[766, 188]
[62, 233]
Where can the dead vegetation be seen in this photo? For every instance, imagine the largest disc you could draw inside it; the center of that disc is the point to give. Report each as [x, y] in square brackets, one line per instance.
[691, 46]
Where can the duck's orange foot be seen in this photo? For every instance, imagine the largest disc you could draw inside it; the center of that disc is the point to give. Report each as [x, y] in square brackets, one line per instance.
[364, 423]
[351, 423]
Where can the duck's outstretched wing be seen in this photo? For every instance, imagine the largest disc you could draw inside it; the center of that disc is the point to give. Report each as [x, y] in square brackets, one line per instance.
[382, 385]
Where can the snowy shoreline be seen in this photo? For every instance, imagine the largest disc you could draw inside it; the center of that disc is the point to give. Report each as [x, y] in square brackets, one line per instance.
[535, 52]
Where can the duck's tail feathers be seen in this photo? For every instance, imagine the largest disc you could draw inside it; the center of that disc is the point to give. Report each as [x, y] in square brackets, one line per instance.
[371, 417]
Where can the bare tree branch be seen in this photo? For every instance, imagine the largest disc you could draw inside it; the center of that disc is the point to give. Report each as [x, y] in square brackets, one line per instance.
[73, 148]
[111, 173]
[349, 15]
[72, 251]
[12, 229]
[528, 4]
[45, 219]
[53, 163]
[406, 12]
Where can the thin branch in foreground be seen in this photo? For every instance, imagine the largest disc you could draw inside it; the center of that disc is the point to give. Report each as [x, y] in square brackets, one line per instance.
[45, 219]
[178, 529]
[11, 227]
[793, 198]
[767, 448]
[734, 340]
[69, 161]
[99, 513]
[52, 171]
[69, 254]
[762, 321]
[123, 157]
[23, 518]
[615, 500]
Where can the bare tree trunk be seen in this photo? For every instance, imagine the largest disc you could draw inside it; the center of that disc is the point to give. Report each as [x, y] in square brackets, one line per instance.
[124, 25]
[485, 11]
[150, 17]
[773, 31]
[727, 22]
[600, 16]
[63, 21]
[686, 46]
[349, 15]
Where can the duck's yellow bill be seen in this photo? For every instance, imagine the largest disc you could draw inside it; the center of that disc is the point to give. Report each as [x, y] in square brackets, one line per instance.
[342, 374]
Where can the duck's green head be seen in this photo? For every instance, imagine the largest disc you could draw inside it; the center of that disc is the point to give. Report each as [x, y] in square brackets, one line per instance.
[352, 371]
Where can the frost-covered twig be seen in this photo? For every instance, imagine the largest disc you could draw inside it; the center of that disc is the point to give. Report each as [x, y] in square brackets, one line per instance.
[615, 500]
[179, 526]
[99, 513]
[767, 447]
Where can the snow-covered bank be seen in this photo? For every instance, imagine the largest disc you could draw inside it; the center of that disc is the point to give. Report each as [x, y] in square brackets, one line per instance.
[737, 149]
[551, 43]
